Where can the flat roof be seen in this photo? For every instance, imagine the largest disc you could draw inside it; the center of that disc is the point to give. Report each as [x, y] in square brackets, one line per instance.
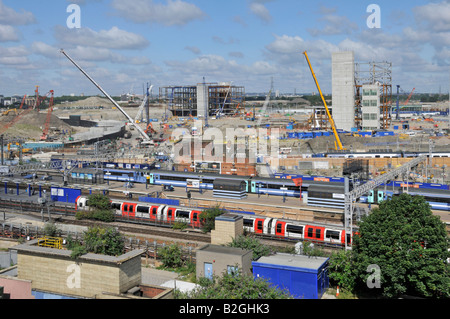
[224, 250]
[292, 261]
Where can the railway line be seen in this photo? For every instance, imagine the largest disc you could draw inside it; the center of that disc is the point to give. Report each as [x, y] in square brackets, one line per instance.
[67, 216]
[138, 229]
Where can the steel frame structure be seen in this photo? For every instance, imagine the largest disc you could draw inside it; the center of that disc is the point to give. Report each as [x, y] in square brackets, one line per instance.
[352, 196]
[371, 73]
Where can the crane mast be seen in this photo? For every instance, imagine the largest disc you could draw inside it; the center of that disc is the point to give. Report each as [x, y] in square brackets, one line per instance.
[330, 118]
[130, 120]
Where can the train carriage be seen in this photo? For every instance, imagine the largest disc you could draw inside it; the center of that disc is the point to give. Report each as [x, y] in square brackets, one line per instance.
[260, 225]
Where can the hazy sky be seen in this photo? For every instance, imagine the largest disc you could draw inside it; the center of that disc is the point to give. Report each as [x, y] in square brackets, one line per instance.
[123, 44]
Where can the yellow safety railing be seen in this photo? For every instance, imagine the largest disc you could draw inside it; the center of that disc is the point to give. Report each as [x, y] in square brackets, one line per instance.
[51, 242]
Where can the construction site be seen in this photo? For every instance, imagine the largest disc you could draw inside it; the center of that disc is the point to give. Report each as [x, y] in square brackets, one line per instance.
[285, 169]
[362, 115]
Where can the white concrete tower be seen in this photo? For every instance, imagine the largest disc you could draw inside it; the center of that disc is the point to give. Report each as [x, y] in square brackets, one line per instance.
[343, 89]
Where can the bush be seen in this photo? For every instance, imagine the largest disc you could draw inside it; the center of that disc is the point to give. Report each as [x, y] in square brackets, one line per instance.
[208, 218]
[171, 256]
[179, 225]
[106, 241]
[103, 215]
[253, 244]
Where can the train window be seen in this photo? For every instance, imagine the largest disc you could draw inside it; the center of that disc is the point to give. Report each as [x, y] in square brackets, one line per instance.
[142, 209]
[259, 225]
[310, 232]
[183, 214]
[194, 217]
[125, 207]
[279, 227]
[295, 229]
[130, 208]
[318, 232]
[248, 222]
[115, 206]
[154, 211]
[332, 234]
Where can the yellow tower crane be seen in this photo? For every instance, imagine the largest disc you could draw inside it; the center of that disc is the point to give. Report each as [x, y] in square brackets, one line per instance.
[338, 144]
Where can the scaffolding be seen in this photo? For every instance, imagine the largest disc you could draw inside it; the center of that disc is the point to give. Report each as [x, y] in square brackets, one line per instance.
[226, 99]
[181, 100]
[374, 73]
[222, 99]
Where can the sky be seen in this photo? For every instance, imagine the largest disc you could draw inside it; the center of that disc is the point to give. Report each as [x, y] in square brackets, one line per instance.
[125, 44]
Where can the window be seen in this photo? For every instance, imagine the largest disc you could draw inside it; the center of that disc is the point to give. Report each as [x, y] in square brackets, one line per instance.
[259, 225]
[233, 270]
[332, 234]
[295, 229]
[310, 232]
[183, 214]
[248, 222]
[318, 232]
[279, 227]
[142, 209]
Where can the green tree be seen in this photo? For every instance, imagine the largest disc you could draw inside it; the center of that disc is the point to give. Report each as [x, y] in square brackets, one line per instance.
[171, 256]
[99, 201]
[341, 270]
[251, 243]
[409, 245]
[208, 218]
[101, 240]
[99, 209]
[234, 286]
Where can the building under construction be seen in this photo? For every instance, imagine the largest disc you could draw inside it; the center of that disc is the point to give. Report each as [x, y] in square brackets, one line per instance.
[213, 99]
[362, 93]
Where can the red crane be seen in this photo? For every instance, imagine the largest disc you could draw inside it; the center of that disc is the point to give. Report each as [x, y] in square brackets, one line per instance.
[409, 97]
[49, 116]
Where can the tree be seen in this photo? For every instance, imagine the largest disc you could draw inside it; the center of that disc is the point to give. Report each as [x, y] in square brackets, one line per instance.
[341, 270]
[171, 256]
[99, 209]
[234, 286]
[251, 243]
[107, 241]
[99, 201]
[208, 218]
[408, 244]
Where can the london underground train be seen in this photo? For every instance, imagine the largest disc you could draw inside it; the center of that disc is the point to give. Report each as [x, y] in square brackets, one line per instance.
[259, 225]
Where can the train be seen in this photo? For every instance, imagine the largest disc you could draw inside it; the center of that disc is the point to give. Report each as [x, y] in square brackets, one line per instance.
[260, 225]
[384, 154]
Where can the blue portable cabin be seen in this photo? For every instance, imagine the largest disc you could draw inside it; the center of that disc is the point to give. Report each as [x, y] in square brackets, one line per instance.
[302, 276]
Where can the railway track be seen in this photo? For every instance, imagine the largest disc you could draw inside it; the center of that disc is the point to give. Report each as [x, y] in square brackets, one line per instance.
[67, 216]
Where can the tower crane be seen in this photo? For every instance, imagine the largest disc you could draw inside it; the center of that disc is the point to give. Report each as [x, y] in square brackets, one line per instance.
[138, 117]
[48, 118]
[338, 143]
[266, 103]
[130, 120]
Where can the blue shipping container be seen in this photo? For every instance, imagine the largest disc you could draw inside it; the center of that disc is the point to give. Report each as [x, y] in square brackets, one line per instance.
[304, 277]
